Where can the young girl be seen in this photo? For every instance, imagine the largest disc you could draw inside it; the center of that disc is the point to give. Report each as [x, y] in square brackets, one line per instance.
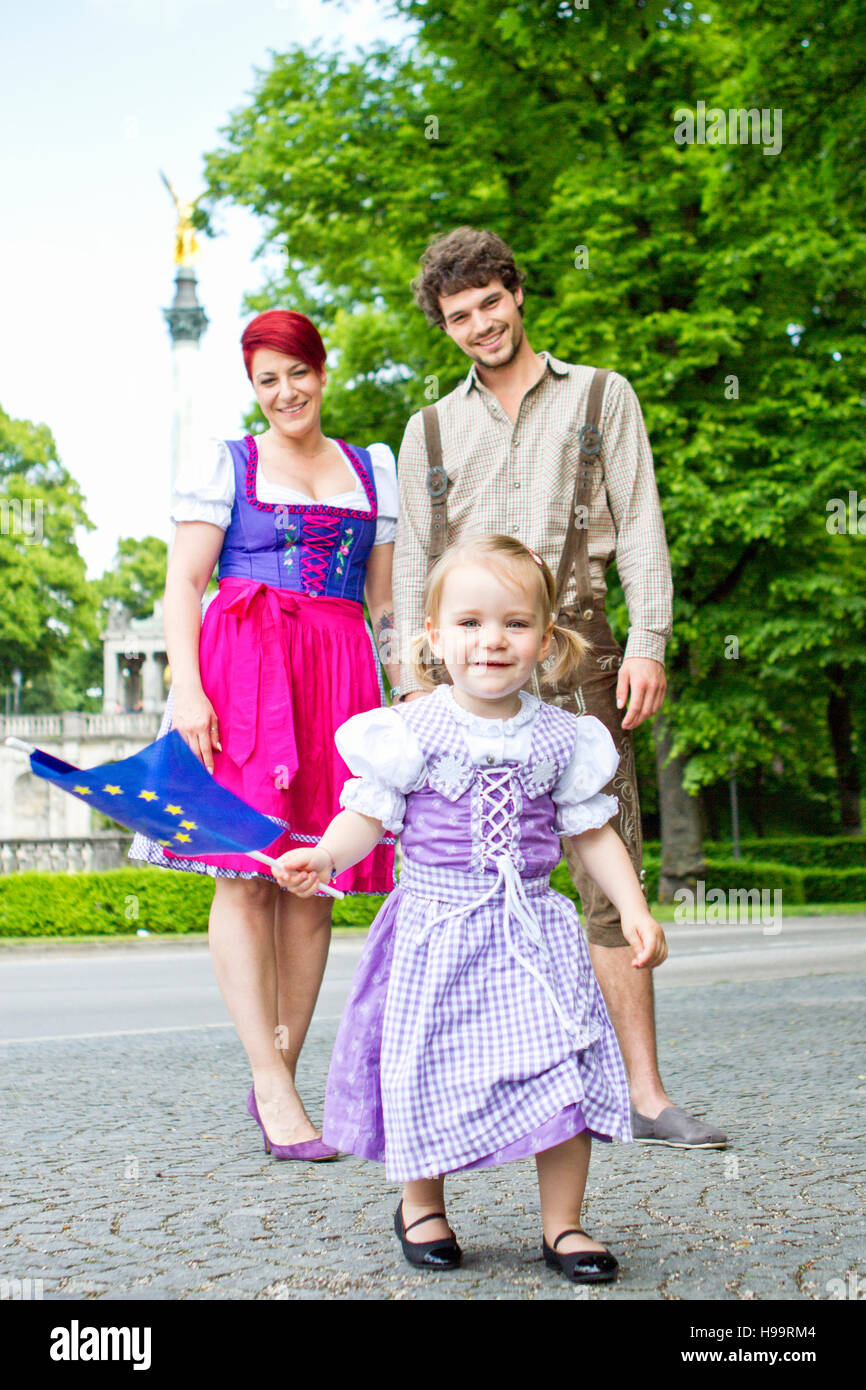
[475, 1032]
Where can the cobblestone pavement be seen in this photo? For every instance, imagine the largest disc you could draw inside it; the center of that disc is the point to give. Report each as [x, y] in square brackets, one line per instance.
[131, 1170]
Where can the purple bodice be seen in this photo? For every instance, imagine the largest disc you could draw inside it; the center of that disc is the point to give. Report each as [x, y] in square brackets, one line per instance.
[484, 821]
[468, 815]
[310, 548]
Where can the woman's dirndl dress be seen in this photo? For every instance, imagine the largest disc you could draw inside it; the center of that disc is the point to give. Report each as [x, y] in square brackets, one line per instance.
[285, 653]
[475, 1031]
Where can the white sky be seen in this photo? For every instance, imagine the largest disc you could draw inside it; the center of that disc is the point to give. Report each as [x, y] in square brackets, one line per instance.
[96, 97]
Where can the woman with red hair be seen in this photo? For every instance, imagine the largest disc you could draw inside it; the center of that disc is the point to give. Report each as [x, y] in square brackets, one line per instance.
[302, 526]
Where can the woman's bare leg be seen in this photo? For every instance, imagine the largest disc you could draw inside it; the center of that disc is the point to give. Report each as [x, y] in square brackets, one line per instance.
[562, 1175]
[302, 935]
[241, 940]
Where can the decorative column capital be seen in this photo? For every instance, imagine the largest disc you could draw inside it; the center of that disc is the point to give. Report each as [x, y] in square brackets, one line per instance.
[186, 318]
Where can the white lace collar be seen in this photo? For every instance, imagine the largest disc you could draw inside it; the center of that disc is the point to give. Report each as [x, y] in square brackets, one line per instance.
[529, 707]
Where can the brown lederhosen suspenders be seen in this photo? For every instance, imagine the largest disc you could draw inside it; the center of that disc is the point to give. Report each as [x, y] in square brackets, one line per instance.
[437, 484]
[575, 553]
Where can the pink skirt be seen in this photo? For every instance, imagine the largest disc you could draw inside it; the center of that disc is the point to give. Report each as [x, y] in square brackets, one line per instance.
[283, 671]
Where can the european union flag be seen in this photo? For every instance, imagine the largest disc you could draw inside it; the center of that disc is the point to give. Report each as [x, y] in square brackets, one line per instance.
[167, 794]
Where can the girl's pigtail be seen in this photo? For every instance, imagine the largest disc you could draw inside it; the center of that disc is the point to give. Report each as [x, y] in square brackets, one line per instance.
[421, 659]
[562, 668]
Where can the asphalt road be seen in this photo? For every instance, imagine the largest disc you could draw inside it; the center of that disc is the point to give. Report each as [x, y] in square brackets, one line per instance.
[130, 1169]
[85, 991]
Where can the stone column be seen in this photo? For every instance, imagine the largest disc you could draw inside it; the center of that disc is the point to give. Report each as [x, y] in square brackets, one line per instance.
[110, 677]
[187, 321]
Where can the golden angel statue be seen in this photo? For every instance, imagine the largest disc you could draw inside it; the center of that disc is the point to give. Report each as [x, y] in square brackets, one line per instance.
[185, 244]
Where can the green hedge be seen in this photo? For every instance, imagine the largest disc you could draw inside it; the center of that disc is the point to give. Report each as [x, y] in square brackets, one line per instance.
[835, 885]
[122, 901]
[804, 851]
[727, 874]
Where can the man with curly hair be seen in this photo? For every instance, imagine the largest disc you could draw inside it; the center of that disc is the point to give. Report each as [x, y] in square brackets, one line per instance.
[510, 448]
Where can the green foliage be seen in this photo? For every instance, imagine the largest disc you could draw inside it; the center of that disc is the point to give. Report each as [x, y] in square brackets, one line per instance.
[51, 615]
[121, 901]
[136, 578]
[834, 885]
[720, 873]
[804, 851]
[46, 611]
[706, 264]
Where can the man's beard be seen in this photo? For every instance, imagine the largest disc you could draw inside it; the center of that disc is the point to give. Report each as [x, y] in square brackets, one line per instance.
[515, 348]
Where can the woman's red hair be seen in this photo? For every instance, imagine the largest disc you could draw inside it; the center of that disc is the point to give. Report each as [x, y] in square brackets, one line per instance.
[283, 331]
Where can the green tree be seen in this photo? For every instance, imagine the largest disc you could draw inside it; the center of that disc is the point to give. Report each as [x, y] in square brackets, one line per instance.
[46, 610]
[134, 581]
[136, 578]
[724, 282]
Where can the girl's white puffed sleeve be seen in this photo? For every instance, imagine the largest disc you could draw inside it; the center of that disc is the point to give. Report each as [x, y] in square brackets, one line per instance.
[204, 489]
[385, 757]
[580, 803]
[387, 492]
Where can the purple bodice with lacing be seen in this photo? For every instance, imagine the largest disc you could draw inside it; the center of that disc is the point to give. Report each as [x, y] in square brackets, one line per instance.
[310, 548]
[468, 816]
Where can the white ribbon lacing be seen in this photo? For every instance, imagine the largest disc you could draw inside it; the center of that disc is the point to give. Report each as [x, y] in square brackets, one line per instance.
[517, 907]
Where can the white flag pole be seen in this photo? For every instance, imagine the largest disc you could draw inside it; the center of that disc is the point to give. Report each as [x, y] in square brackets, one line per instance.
[17, 743]
[265, 859]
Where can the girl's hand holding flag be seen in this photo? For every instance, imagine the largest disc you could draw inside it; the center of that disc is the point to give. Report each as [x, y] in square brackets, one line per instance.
[348, 839]
[302, 871]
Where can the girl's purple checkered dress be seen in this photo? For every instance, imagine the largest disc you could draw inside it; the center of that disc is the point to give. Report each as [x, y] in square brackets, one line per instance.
[475, 1031]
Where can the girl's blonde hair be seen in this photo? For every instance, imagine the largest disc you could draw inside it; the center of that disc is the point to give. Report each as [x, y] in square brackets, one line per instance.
[512, 560]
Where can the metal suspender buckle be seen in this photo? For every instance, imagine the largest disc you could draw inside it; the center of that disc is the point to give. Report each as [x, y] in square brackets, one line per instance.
[437, 481]
[590, 440]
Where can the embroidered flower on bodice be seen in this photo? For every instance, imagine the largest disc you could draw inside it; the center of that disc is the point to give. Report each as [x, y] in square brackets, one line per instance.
[292, 536]
[450, 771]
[344, 548]
[541, 774]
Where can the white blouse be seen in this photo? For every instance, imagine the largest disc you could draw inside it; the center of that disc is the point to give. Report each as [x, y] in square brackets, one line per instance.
[382, 751]
[205, 489]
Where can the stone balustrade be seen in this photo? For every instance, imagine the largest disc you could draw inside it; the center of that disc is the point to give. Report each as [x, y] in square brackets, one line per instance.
[66, 855]
[72, 725]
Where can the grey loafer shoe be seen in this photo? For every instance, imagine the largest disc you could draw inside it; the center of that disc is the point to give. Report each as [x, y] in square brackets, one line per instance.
[676, 1128]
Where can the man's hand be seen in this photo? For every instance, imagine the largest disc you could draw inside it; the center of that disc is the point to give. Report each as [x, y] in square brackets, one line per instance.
[643, 682]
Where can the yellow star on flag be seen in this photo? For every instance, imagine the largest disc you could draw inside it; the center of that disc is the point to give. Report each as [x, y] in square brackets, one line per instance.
[147, 796]
[174, 810]
[114, 791]
[180, 836]
[189, 825]
[163, 842]
[82, 791]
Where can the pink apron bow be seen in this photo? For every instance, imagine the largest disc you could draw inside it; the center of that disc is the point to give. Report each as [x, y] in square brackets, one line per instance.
[260, 681]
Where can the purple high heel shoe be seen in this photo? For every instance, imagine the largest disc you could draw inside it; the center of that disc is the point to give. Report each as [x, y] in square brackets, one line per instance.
[314, 1150]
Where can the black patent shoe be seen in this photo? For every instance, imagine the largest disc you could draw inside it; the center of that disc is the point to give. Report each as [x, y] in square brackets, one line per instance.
[433, 1254]
[581, 1266]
